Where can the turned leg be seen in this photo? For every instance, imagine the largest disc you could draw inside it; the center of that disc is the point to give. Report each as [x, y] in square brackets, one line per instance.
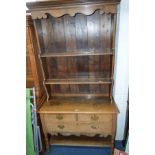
[45, 132]
[114, 122]
[112, 146]
[47, 142]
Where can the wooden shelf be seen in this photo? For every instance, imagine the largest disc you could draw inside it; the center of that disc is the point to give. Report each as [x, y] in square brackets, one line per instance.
[86, 95]
[81, 141]
[78, 99]
[79, 81]
[77, 53]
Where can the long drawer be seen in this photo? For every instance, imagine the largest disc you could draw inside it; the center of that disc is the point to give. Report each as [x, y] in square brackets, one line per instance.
[103, 127]
[77, 118]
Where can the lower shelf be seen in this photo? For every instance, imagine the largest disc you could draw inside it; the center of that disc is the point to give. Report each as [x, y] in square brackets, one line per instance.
[81, 141]
[82, 80]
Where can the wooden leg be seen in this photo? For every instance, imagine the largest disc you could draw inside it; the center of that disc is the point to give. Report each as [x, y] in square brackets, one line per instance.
[44, 131]
[47, 142]
[112, 146]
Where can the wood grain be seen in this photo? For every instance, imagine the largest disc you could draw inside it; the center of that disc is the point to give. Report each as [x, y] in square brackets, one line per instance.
[47, 34]
[70, 35]
[58, 33]
[40, 36]
[82, 44]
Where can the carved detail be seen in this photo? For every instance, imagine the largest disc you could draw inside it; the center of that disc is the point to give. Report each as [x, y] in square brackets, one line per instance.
[79, 134]
[72, 11]
[39, 15]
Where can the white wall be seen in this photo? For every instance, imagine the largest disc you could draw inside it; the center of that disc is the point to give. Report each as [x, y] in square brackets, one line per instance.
[121, 66]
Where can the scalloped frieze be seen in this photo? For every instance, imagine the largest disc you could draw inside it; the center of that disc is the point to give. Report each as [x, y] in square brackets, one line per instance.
[72, 11]
[79, 134]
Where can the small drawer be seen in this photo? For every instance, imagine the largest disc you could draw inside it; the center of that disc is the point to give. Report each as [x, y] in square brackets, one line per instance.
[62, 127]
[50, 118]
[94, 118]
[103, 128]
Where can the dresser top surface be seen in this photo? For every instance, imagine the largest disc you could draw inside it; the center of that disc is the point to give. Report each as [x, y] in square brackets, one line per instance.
[80, 106]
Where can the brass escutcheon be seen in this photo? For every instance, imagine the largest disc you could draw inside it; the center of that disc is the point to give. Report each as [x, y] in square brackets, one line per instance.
[94, 117]
[93, 127]
[61, 126]
[59, 117]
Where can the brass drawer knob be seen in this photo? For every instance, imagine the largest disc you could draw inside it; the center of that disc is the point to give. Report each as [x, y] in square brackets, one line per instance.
[93, 127]
[59, 117]
[94, 117]
[61, 126]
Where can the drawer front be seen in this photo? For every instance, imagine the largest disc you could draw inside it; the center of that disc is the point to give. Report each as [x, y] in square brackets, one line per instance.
[50, 118]
[61, 127]
[97, 128]
[94, 118]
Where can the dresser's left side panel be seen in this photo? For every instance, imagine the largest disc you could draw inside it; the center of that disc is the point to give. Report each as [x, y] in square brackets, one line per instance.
[33, 70]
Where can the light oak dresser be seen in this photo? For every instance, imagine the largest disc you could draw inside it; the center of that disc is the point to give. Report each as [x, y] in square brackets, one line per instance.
[76, 41]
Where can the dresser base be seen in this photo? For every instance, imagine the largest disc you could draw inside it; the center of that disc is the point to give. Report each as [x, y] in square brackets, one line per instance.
[79, 124]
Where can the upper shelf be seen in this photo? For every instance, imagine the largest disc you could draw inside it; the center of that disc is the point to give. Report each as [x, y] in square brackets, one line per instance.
[79, 81]
[77, 53]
